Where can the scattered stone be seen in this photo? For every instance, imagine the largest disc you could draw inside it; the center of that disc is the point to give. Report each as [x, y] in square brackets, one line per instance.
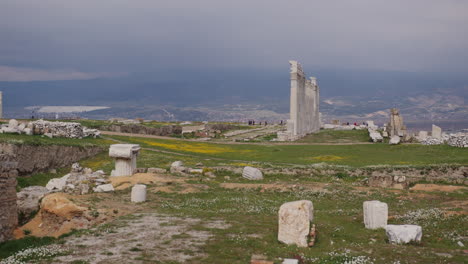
[28, 200]
[57, 184]
[125, 156]
[13, 124]
[459, 140]
[157, 170]
[394, 140]
[295, 222]
[104, 188]
[196, 171]
[61, 129]
[252, 173]
[375, 214]
[49, 135]
[138, 193]
[422, 135]
[403, 234]
[260, 259]
[177, 164]
[460, 244]
[375, 135]
[210, 174]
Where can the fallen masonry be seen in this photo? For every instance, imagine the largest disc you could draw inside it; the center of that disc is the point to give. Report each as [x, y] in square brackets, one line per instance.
[138, 193]
[251, 173]
[295, 222]
[403, 234]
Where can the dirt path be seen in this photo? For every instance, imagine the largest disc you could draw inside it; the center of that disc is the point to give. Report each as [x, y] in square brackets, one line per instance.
[144, 238]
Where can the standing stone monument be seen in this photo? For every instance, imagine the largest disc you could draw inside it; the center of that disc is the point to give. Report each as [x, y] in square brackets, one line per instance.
[375, 214]
[295, 222]
[396, 127]
[125, 156]
[304, 105]
[436, 132]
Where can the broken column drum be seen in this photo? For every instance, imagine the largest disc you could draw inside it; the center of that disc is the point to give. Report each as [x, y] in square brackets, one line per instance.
[138, 193]
[125, 156]
[295, 222]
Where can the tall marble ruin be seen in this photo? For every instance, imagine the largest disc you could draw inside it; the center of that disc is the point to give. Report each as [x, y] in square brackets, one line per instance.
[396, 126]
[304, 105]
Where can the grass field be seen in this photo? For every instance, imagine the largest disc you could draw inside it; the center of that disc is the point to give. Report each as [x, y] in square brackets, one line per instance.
[337, 136]
[351, 155]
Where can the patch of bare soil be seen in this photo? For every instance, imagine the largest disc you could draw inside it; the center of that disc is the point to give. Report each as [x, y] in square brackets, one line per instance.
[121, 183]
[437, 188]
[150, 238]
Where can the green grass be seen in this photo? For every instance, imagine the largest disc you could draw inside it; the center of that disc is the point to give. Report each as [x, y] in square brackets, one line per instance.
[352, 155]
[10, 247]
[337, 136]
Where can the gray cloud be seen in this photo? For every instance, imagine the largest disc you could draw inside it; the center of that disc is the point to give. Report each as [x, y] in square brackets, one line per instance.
[144, 35]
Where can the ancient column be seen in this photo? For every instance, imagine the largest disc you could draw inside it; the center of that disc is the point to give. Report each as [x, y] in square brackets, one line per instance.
[125, 156]
[1, 105]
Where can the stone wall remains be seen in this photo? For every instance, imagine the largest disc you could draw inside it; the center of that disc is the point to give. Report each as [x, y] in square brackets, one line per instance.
[8, 209]
[145, 130]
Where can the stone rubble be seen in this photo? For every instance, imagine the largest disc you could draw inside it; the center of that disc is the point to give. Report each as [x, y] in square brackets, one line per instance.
[375, 135]
[295, 222]
[403, 234]
[78, 181]
[49, 129]
[459, 140]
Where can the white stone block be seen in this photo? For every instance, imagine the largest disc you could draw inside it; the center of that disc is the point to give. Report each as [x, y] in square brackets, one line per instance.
[422, 135]
[375, 214]
[177, 164]
[57, 184]
[139, 193]
[252, 173]
[13, 123]
[295, 222]
[403, 234]
[394, 140]
[104, 188]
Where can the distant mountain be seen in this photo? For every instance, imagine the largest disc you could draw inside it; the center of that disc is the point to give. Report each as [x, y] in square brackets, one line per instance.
[220, 94]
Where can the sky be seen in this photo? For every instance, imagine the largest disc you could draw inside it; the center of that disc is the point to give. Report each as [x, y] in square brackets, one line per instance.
[86, 39]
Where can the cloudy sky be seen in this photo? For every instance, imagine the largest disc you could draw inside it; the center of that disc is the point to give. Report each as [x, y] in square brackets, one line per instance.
[86, 39]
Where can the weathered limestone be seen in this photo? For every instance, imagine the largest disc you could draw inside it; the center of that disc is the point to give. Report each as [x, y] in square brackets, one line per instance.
[138, 193]
[375, 135]
[304, 105]
[394, 140]
[28, 200]
[125, 156]
[252, 173]
[375, 214]
[403, 234]
[396, 127]
[436, 132]
[295, 222]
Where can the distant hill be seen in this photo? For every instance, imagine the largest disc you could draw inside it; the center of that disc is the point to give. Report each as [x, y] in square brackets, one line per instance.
[236, 94]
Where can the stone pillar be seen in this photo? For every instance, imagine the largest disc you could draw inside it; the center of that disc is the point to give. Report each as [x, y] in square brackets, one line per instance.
[8, 207]
[125, 156]
[375, 214]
